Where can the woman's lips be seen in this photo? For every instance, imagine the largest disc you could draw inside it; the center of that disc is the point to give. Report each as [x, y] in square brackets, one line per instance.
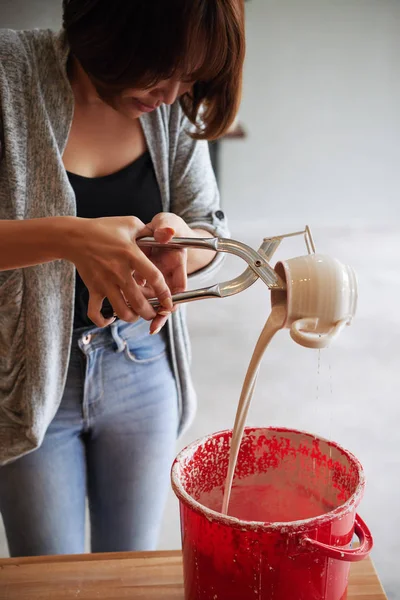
[143, 107]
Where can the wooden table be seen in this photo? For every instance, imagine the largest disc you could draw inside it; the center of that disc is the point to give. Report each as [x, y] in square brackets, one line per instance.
[144, 576]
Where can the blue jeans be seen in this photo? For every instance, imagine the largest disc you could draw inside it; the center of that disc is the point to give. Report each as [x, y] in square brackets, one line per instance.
[112, 441]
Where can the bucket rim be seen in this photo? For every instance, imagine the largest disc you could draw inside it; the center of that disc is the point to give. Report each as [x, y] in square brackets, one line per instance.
[261, 526]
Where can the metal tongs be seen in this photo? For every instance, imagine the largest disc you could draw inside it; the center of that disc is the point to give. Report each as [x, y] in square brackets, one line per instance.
[258, 264]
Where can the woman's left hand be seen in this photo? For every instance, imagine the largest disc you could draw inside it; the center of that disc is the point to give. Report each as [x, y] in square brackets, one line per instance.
[172, 263]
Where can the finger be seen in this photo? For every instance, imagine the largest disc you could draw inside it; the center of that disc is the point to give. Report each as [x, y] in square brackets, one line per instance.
[163, 235]
[139, 279]
[154, 278]
[146, 231]
[137, 300]
[119, 304]
[94, 310]
[158, 323]
[148, 293]
[162, 219]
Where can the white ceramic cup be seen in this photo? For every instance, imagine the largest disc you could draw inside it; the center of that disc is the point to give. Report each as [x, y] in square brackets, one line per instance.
[321, 298]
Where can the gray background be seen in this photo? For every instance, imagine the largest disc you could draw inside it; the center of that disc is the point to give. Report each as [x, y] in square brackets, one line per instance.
[321, 107]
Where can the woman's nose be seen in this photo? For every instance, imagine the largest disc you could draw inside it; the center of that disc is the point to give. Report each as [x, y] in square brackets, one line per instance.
[171, 91]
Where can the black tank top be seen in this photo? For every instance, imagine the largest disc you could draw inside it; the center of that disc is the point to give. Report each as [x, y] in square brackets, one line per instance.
[131, 191]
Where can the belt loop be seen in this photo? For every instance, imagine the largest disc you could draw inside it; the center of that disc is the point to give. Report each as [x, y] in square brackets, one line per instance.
[116, 337]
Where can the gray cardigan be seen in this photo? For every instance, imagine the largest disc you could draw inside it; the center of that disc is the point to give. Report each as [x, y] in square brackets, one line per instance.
[36, 303]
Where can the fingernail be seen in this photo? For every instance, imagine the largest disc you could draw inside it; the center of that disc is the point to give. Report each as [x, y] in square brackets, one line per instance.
[156, 331]
[164, 313]
[168, 230]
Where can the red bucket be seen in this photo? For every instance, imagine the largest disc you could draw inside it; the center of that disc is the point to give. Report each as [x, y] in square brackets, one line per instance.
[303, 490]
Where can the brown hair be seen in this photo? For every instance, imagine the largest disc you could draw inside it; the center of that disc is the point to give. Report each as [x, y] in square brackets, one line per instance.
[137, 43]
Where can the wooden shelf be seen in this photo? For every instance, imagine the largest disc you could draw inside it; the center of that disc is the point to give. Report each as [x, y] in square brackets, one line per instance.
[148, 576]
[238, 132]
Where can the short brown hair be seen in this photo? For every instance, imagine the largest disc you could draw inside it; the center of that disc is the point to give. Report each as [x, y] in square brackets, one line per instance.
[136, 43]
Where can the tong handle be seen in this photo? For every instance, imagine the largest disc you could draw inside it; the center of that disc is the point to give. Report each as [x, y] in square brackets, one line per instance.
[211, 243]
[212, 291]
[256, 262]
[258, 267]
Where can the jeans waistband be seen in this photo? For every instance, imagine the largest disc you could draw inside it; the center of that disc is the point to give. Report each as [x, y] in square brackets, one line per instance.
[112, 335]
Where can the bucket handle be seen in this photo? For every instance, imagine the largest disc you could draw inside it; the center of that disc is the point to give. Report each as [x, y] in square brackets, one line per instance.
[346, 554]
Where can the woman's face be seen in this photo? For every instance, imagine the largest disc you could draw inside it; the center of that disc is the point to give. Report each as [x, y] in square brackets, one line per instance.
[134, 102]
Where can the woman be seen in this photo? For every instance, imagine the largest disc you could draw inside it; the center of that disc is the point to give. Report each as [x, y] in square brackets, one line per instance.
[102, 143]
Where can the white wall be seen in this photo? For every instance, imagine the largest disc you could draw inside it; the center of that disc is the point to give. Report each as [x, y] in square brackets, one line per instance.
[27, 14]
[322, 108]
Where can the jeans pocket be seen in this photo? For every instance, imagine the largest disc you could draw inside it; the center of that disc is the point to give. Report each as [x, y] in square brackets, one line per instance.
[144, 348]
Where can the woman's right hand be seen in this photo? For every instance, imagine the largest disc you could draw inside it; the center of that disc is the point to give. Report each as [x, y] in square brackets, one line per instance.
[107, 258]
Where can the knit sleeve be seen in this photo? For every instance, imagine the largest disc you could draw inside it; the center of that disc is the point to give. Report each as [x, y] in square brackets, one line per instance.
[194, 192]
